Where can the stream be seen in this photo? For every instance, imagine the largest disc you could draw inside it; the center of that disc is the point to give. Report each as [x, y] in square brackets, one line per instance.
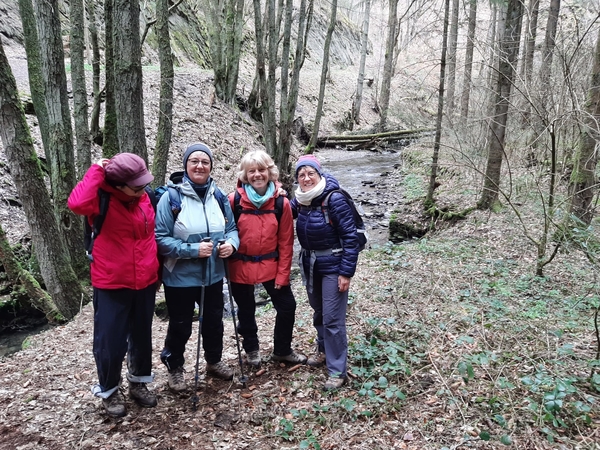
[367, 177]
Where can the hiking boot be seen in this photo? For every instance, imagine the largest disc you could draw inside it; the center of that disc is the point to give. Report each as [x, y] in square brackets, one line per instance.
[140, 393]
[176, 380]
[220, 370]
[294, 358]
[115, 404]
[333, 383]
[316, 360]
[253, 358]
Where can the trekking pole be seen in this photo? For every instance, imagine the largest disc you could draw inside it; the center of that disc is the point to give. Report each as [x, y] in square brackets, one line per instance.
[195, 398]
[243, 378]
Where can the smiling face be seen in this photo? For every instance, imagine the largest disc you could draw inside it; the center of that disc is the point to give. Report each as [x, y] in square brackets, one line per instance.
[258, 178]
[198, 167]
[308, 178]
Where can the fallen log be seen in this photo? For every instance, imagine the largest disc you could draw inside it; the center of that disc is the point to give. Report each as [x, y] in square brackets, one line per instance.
[363, 141]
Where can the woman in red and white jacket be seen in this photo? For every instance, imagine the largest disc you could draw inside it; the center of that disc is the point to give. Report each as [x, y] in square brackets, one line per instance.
[264, 256]
[124, 273]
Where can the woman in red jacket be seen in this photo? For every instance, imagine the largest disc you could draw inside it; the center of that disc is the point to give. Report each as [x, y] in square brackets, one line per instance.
[124, 272]
[264, 256]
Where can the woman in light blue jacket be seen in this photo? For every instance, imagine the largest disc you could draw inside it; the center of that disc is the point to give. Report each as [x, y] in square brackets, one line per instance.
[188, 239]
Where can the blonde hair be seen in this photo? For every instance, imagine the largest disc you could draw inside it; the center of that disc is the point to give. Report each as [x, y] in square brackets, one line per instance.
[262, 160]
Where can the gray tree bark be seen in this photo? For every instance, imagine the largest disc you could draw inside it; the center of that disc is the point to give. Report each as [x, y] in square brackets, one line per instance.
[440, 111]
[452, 53]
[509, 51]
[127, 64]
[386, 82]
[48, 243]
[467, 80]
[583, 180]
[364, 43]
[62, 161]
[324, 69]
[110, 141]
[34, 70]
[80, 103]
[93, 30]
[527, 67]
[225, 26]
[167, 74]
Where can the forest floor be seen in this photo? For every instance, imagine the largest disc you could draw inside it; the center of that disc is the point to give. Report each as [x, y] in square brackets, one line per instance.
[454, 343]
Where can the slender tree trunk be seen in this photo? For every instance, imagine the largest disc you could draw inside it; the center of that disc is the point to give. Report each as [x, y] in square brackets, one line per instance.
[80, 103]
[62, 161]
[55, 264]
[110, 142]
[281, 158]
[34, 69]
[127, 64]
[95, 118]
[165, 118]
[285, 134]
[364, 43]
[319, 112]
[386, 82]
[452, 46]
[440, 111]
[509, 51]
[527, 67]
[466, 92]
[545, 97]
[270, 91]
[583, 180]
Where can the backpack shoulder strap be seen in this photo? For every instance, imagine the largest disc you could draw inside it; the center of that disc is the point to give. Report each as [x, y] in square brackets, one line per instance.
[152, 196]
[221, 199]
[237, 208]
[174, 200]
[103, 202]
[279, 208]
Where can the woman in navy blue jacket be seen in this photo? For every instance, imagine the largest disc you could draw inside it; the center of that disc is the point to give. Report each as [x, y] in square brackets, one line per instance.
[327, 261]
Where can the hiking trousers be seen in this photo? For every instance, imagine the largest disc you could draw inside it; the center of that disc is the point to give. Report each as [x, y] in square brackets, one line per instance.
[285, 306]
[122, 325]
[181, 302]
[329, 318]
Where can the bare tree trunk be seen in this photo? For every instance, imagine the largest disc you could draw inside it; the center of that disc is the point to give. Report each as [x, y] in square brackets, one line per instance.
[165, 117]
[386, 82]
[440, 111]
[225, 26]
[326, 47]
[128, 77]
[95, 118]
[452, 46]
[110, 142]
[55, 263]
[527, 67]
[34, 69]
[545, 97]
[509, 51]
[364, 43]
[287, 117]
[583, 180]
[80, 103]
[62, 161]
[466, 92]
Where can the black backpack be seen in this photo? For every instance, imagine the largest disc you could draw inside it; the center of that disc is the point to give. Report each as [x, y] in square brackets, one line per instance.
[358, 220]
